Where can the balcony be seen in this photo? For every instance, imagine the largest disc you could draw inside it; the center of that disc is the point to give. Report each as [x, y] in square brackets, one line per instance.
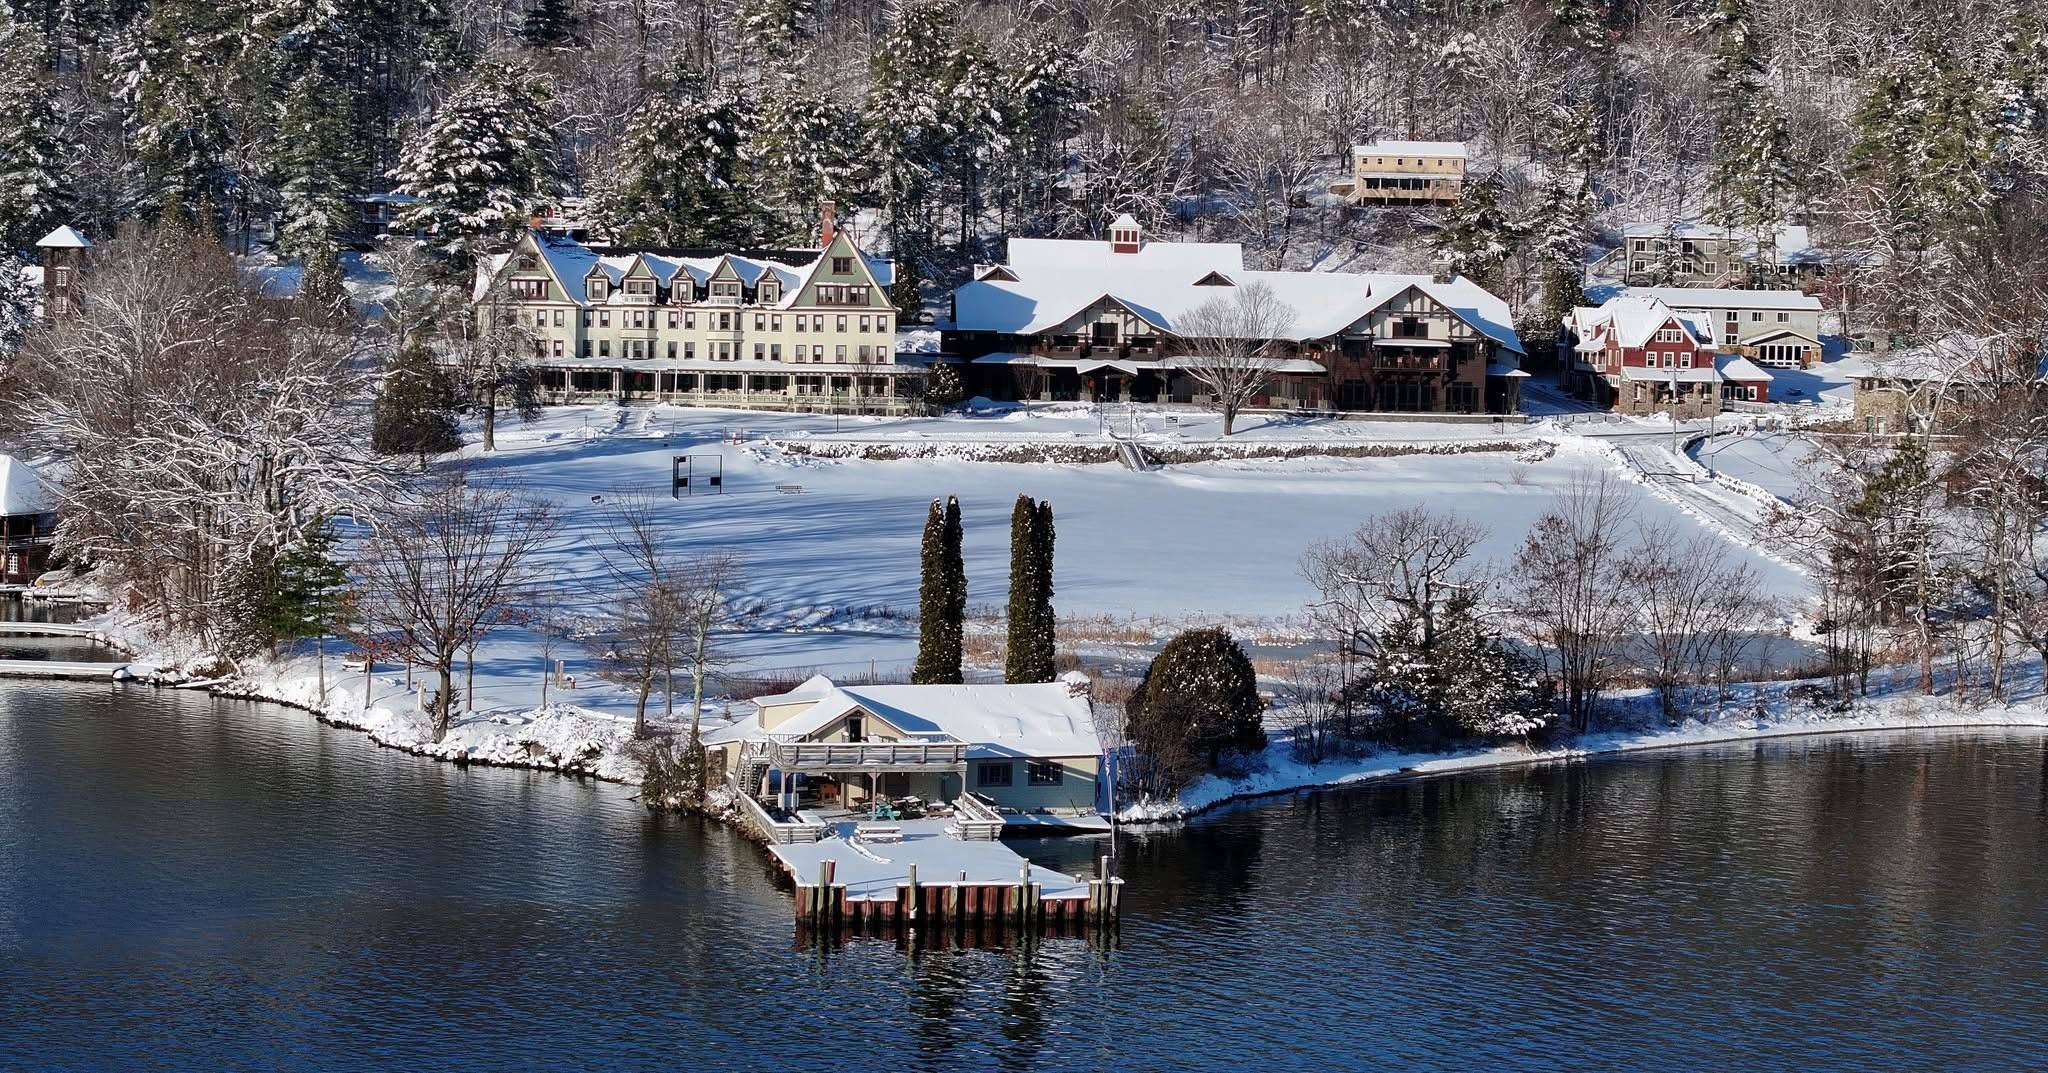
[821, 756]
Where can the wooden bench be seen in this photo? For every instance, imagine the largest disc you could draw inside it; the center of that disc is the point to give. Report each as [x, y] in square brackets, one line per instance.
[878, 832]
[790, 489]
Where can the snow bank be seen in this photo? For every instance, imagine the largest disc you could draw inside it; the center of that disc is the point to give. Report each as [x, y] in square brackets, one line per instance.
[1276, 772]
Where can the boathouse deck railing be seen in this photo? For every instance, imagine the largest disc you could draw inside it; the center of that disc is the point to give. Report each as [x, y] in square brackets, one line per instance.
[781, 831]
[821, 756]
[976, 819]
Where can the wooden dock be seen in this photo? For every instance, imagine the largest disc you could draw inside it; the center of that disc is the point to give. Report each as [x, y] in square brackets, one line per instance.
[49, 629]
[935, 881]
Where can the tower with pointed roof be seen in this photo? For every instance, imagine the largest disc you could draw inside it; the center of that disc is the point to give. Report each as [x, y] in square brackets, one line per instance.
[62, 255]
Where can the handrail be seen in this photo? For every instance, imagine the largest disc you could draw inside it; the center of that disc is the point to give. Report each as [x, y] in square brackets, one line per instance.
[794, 755]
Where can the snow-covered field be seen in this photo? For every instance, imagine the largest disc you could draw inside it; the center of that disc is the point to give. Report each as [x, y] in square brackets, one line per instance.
[831, 546]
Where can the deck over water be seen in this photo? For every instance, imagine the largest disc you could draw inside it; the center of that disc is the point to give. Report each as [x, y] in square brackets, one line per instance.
[873, 870]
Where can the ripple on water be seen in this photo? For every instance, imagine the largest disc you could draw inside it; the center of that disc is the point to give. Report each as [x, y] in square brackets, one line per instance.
[193, 883]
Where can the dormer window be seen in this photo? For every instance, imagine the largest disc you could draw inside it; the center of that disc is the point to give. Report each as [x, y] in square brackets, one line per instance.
[1215, 279]
[596, 286]
[770, 290]
[1124, 236]
[640, 286]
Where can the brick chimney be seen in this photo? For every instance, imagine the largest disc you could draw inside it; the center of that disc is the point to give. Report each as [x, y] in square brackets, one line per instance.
[828, 221]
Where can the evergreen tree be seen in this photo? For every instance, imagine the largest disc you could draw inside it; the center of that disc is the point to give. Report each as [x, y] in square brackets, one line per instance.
[942, 386]
[1045, 639]
[549, 24]
[1198, 697]
[1454, 679]
[315, 163]
[415, 411]
[805, 147]
[680, 180]
[484, 161]
[778, 29]
[909, 116]
[17, 305]
[942, 597]
[1752, 181]
[1029, 656]
[321, 293]
[179, 68]
[34, 187]
[1476, 236]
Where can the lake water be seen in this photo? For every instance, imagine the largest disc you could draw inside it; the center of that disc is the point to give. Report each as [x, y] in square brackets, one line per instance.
[188, 883]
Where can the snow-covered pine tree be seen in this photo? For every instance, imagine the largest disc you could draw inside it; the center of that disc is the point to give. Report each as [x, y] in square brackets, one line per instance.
[942, 386]
[909, 125]
[680, 179]
[1477, 237]
[315, 163]
[17, 305]
[34, 187]
[177, 68]
[805, 147]
[415, 410]
[482, 163]
[776, 30]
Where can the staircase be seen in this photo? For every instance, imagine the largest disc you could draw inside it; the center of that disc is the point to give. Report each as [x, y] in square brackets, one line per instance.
[753, 764]
[1133, 456]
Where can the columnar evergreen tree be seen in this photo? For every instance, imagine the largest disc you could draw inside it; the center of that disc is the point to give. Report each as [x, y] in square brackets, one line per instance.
[34, 186]
[941, 598]
[1029, 655]
[415, 411]
[483, 163]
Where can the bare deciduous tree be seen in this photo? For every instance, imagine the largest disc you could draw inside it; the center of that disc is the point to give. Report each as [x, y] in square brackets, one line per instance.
[1567, 589]
[1233, 345]
[443, 562]
[1692, 607]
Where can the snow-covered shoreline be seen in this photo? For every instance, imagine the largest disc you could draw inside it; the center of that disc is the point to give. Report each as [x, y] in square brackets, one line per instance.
[1281, 775]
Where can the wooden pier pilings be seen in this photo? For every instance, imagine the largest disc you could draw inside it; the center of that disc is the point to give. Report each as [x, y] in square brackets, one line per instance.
[824, 905]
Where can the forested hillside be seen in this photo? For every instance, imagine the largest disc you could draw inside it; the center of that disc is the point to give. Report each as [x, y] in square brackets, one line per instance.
[1912, 132]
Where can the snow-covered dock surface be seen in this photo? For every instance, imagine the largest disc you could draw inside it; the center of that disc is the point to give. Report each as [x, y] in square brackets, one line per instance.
[56, 668]
[873, 869]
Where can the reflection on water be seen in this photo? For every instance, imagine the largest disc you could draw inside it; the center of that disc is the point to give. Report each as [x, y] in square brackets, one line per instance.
[190, 883]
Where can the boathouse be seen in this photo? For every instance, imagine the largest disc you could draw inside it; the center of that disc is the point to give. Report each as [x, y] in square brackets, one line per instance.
[28, 522]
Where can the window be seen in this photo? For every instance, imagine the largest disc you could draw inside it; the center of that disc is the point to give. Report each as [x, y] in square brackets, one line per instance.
[586, 318]
[595, 286]
[864, 324]
[671, 350]
[540, 318]
[559, 319]
[640, 286]
[1784, 318]
[1685, 361]
[604, 348]
[604, 318]
[775, 323]
[586, 348]
[775, 352]
[1756, 316]
[841, 326]
[690, 351]
[882, 324]
[863, 352]
[839, 353]
[770, 290]
[760, 322]
[558, 348]
[996, 773]
[675, 319]
[841, 266]
[760, 351]
[522, 288]
[725, 322]
[639, 318]
[1044, 773]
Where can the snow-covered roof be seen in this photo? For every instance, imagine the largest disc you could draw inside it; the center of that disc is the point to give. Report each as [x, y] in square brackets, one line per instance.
[1631, 320]
[997, 720]
[1124, 222]
[573, 262]
[1738, 368]
[22, 490]
[1058, 278]
[1410, 148]
[65, 237]
[1728, 298]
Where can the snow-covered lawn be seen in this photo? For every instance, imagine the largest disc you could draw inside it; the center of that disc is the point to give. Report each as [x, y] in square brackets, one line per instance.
[832, 570]
[1779, 463]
